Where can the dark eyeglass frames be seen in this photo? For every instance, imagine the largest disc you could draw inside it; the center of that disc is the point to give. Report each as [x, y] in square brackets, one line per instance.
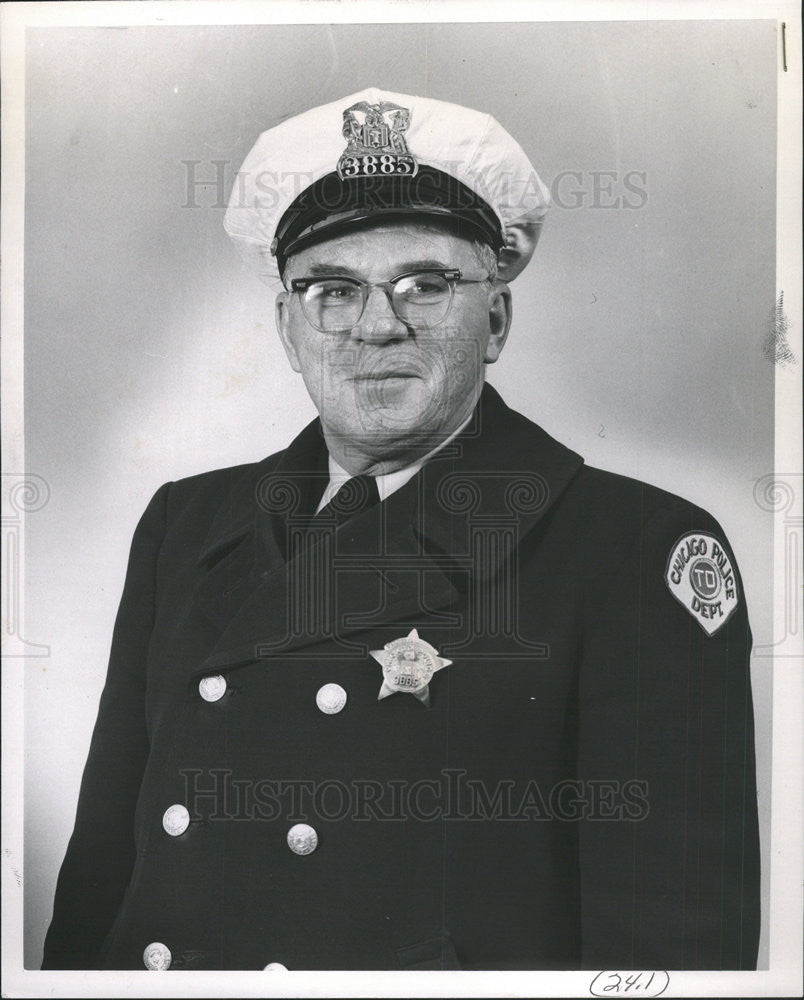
[420, 299]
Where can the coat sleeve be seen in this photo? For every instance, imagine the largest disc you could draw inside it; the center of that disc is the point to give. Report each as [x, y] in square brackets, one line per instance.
[101, 851]
[671, 879]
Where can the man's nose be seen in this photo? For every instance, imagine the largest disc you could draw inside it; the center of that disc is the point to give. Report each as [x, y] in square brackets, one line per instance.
[379, 323]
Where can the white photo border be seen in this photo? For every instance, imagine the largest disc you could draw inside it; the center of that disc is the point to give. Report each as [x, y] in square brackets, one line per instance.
[783, 977]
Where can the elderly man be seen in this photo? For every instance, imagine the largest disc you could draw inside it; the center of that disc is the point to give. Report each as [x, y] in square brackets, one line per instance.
[421, 691]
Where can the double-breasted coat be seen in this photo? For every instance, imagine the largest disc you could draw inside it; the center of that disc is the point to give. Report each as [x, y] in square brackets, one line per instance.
[580, 792]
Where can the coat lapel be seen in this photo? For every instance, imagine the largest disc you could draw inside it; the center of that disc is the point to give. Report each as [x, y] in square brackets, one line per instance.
[393, 563]
[503, 472]
[246, 541]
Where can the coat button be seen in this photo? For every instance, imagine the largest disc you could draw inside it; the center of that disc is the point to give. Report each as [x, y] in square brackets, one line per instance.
[330, 698]
[157, 956]
[275, 967]
[212, 688]
[302, 839]
[176, 820]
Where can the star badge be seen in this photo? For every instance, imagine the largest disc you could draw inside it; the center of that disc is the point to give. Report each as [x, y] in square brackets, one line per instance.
[408, 665]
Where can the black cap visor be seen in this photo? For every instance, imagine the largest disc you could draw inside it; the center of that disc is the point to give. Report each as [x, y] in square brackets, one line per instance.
[332, 205]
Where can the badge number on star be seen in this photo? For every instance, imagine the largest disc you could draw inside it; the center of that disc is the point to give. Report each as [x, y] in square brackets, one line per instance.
[408, 665]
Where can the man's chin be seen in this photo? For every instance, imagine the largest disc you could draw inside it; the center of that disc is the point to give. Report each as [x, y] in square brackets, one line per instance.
[388, 434]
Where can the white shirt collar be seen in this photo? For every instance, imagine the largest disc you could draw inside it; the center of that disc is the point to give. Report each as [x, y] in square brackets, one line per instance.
[388, 483]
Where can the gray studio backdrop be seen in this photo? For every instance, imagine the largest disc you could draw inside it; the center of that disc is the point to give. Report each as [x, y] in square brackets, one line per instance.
[640, 328]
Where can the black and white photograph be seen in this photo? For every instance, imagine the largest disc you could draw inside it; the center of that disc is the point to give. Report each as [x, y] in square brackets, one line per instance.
[402, 499]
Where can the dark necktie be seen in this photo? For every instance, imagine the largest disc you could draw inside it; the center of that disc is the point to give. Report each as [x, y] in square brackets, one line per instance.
[355, 495]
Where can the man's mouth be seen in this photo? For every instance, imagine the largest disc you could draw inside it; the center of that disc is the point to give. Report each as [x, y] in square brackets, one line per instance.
[385, 375]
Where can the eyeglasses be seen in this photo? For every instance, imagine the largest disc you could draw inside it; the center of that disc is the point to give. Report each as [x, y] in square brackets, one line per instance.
[421, 299]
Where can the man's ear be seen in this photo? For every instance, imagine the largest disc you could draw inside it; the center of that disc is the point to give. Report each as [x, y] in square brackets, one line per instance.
[282, 312]
[500, 315]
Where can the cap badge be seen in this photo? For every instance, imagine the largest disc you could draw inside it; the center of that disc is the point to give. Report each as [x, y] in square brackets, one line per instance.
[375, 141]
[408, 665]
[700, 576]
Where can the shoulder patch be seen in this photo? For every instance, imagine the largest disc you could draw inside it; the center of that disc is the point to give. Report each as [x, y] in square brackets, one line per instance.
[700, 576]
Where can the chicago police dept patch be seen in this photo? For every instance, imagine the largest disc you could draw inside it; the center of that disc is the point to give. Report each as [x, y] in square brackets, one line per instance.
[700, 576]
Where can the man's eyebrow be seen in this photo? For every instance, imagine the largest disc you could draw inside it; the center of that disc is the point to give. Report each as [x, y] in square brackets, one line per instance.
[423, 264]
[323, 269]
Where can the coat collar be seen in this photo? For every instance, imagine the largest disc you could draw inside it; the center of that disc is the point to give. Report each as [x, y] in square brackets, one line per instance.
[501, 465]
[269, 492]
[502, 470]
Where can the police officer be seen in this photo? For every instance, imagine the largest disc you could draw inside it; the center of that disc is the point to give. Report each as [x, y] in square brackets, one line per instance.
[423, 690]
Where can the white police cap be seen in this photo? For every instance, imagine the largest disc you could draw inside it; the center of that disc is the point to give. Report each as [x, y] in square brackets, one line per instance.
[378, 153]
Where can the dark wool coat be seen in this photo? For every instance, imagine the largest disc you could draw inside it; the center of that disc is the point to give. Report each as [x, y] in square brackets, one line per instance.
[580, 793]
